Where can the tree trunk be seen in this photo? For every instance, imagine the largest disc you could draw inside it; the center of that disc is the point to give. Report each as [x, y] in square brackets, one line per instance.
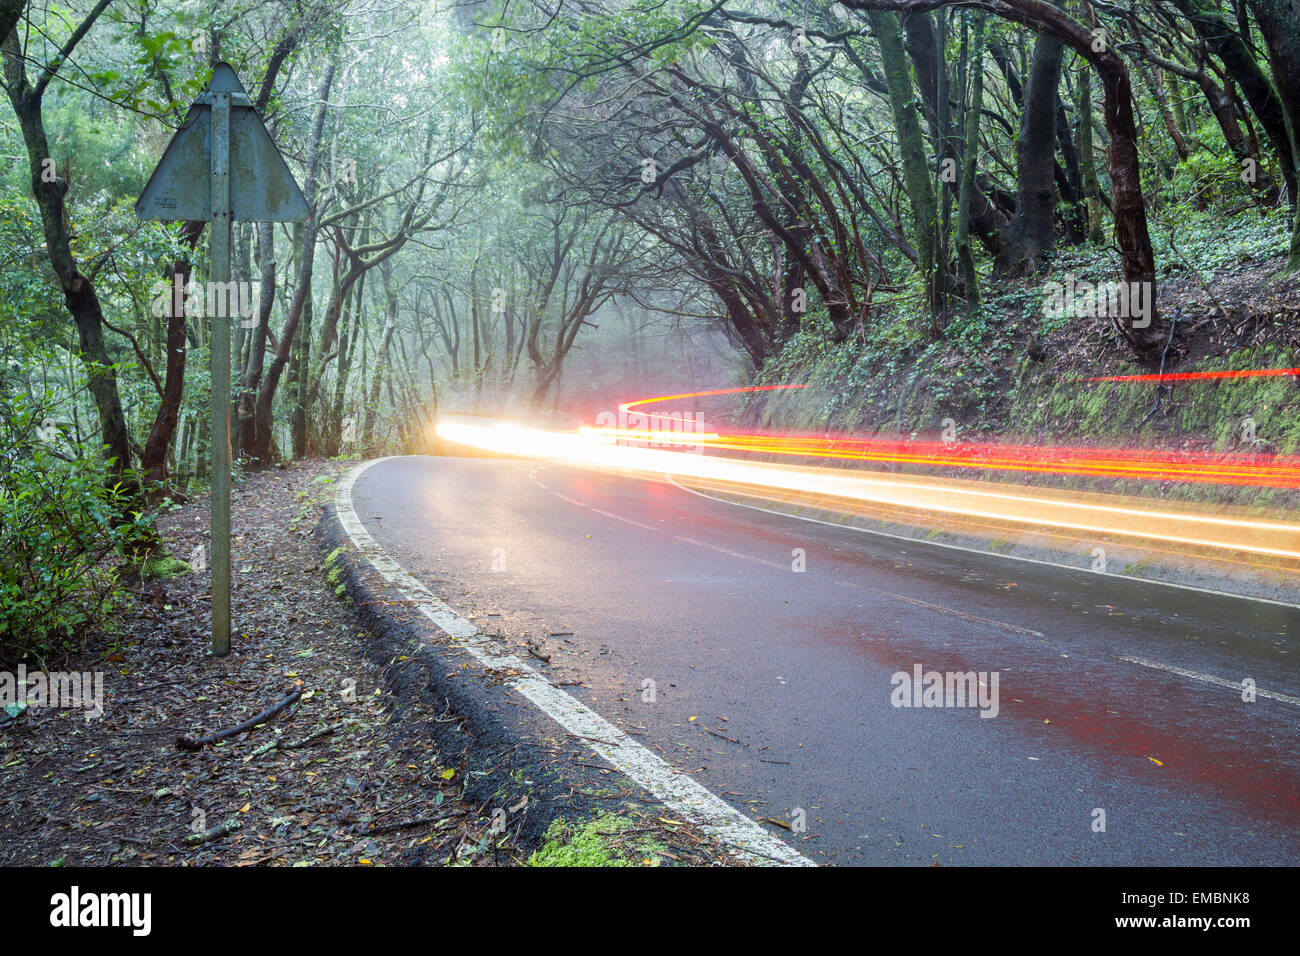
[1224, 109]
[970, 156]
[1223, 40]
[299, 380]
[78, 291]
[1087, 161]
[252, 372]
[11, 11]
[1029, 234]
[911, 144]
[1166, 116]
[153, 463]
[1279, 23]
[381, 364]
[262, 443]
[351, 330]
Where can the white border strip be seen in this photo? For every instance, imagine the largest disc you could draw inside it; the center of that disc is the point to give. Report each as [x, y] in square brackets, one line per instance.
[745, 838]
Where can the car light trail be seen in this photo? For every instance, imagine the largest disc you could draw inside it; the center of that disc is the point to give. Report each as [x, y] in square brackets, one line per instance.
[1018, 505]
[624, 409]
[653, 436]
[1259, 471]
[1253, 471]
[1198, 376]
[1250, 470]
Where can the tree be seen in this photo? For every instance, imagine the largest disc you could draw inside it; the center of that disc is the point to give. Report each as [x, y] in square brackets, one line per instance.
[49, 190]
[258, 446]
[1128, 208]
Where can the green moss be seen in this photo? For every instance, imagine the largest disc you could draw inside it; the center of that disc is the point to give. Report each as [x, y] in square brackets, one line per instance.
[163, 566]
[595, 843]
[334, 576]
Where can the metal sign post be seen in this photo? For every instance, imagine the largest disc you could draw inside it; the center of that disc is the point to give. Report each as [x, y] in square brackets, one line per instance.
[221, 166]
[219, 433]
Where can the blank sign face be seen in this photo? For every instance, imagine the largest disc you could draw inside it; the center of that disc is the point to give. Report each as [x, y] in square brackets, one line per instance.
[261, 187]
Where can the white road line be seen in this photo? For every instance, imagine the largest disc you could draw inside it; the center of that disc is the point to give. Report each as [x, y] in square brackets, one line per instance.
[1211, 679]
[734, 554]
[974, 618]
[987, 554]
[745, 838]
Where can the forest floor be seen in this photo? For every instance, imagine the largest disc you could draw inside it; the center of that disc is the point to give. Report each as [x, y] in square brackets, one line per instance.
[350, 773]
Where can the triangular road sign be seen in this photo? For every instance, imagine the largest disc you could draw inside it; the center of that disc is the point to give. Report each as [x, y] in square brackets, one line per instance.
[261, 187]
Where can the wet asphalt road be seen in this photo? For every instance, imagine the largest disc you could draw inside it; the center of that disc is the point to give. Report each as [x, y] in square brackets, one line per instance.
[772, 686]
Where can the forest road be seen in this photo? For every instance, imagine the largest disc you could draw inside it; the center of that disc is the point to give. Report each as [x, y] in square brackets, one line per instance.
[773, 659]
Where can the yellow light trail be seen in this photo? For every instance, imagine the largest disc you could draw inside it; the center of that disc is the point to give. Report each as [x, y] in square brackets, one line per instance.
[1131, 518]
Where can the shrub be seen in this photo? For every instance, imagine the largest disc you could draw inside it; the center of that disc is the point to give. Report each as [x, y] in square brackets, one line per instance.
[61, 530]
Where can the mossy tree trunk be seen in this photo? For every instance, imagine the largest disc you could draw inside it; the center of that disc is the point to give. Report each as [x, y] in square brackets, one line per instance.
[970, 157]
[911, 144]
[1087, 159]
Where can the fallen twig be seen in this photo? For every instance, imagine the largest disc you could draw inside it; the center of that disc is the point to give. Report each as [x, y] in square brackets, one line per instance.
[389, 827]
[214, 833]
[315, 735]
[598, 740]
[190, 743]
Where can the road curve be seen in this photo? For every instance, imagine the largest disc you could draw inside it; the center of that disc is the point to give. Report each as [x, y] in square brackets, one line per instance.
[770, 644]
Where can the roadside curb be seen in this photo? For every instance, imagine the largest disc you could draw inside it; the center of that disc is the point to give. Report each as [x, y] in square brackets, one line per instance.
[507, 766]
[548, 739]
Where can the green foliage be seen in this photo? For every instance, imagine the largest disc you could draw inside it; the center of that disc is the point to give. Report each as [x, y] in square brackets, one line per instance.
[58, 542]
[867, 382]
[1199, 238]
[1206, 180]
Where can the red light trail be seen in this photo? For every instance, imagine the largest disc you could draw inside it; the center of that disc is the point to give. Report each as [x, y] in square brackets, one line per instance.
[642, 451]
[1265, 471]
[1198, 376]
[624, 408]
